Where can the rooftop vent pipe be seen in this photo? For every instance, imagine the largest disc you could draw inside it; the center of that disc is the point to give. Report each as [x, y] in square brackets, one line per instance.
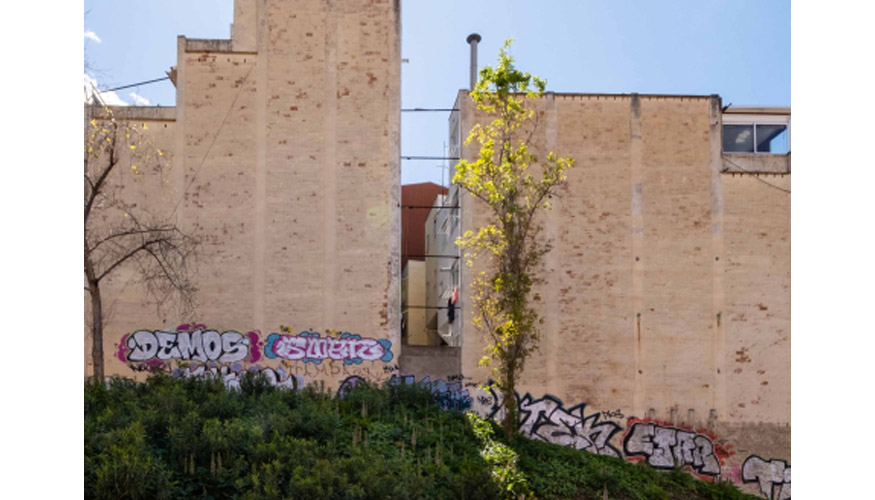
[473, 39]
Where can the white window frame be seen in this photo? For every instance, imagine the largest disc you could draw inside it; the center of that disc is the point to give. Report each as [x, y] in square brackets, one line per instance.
[753, 121]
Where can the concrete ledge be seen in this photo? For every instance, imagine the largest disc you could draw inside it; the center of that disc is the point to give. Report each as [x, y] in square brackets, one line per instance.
[437, 362]
[749, 163]
[206, 45]
[152, 113]
[597, 96]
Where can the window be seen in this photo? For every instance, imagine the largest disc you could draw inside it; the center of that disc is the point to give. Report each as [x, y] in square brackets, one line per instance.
[445, 226]
[755, 138]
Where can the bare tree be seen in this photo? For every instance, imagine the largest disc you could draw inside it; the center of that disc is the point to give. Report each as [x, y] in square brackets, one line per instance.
[119, 232]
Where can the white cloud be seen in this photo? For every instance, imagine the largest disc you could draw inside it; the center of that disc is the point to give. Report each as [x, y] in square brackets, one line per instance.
[92, 36]
[743, 137]
[110, 98]
[139, 100]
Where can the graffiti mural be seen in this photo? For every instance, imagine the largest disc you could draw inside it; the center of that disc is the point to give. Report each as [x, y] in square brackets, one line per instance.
[773, 476]
[311, 347]
[547, 419]
[231, 374]
[199, 351]
[450, 395]
[667, 447]
[188, 343]
[348, 384]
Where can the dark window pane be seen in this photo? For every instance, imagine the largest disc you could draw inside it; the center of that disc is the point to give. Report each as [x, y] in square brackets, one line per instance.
[772, 139]
[738, 138]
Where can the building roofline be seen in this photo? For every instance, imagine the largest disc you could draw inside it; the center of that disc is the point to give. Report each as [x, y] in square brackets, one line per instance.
[223, 45]
[152, 113]
[423, 183]
[757, 110]
[747, 110]
[628, 94]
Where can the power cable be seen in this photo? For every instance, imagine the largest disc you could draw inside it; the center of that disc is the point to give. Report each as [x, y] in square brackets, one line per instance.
[411, 110]
[426, 256]
[433, 307]
[222, 125]
[430, 158]
[429, 206]
[136, 84]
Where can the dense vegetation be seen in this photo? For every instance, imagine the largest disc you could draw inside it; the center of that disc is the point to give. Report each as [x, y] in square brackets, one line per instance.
[172, 438]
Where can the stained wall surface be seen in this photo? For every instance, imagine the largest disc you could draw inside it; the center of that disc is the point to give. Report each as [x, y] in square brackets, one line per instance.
[667, 292]
[285, 165]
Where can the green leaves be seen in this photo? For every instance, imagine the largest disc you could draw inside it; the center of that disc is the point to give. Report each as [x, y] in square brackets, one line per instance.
[192, 438]
[515, 185]
[501, 459]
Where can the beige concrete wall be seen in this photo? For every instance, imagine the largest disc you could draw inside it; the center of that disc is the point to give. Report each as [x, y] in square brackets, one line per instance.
[286, 147]
[244, 29]
[667, 292]
[435, 362]
[741, 163]
[757, 289]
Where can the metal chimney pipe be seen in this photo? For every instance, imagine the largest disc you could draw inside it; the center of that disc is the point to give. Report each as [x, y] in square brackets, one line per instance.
[473, 39]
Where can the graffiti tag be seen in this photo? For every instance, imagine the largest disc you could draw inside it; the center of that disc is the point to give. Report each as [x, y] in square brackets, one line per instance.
[668, 447]
[311, 347]
[612, 414]
[197, 345]
[449, 395]
[231, 375]
[548, 420]
[773, 476]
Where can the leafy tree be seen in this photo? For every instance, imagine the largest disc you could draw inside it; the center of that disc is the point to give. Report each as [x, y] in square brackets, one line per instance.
[515, 186]
[119, 232]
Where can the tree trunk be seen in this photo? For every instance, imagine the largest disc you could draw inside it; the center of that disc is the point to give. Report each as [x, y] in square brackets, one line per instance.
[509, 401]
[96, 330]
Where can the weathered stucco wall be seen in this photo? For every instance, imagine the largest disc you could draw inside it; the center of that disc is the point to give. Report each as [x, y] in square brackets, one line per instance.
[285, 145]
[667, 291]
[757, 289]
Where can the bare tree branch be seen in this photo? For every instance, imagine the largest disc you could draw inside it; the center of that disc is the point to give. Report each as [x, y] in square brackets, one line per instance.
[132, 232]
[125, 257]
[150, 242]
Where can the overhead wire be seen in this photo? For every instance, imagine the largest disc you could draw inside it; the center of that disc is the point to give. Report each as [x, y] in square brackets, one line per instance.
[430, 158]
[411, 110]
[430, 206]
[215, 137]
[779, 188]
[136, 84]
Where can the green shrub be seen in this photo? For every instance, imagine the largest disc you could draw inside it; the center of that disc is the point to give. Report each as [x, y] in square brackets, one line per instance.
[172, 438]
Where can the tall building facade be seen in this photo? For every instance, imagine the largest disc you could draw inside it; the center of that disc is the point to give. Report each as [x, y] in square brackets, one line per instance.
[286, 165]
[666, 301]
[415, 202]
[443, 270]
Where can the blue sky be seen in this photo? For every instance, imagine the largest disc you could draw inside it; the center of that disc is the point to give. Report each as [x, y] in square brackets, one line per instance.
[738, 49]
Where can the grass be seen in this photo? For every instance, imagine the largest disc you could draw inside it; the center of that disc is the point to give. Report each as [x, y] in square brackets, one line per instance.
[172, 438]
